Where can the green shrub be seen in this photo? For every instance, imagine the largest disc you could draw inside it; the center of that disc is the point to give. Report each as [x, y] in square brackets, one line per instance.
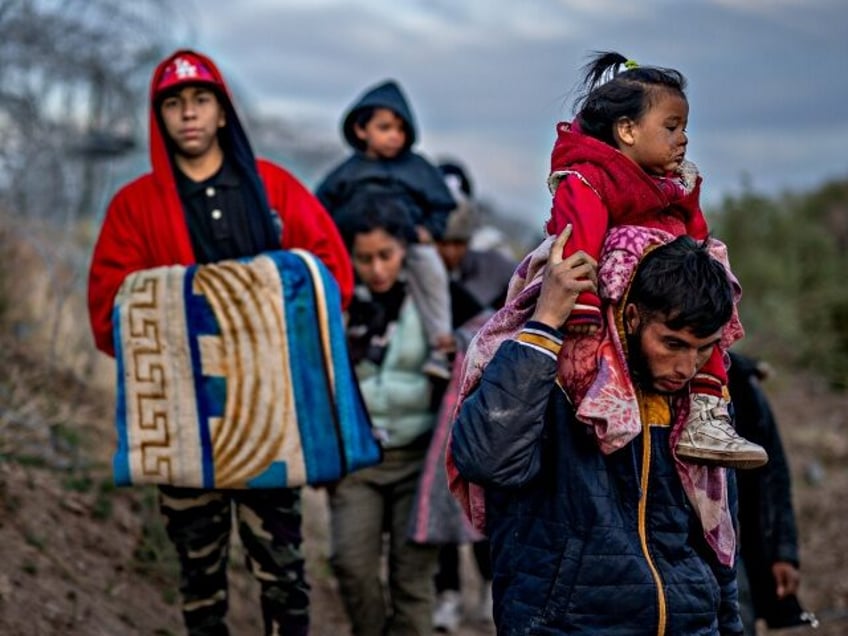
[789, 253]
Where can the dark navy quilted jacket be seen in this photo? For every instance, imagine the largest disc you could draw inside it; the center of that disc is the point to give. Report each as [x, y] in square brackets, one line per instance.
[576, 549]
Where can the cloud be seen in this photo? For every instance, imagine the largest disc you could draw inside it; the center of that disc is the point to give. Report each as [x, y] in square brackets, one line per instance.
[775, 161]
[488, 79]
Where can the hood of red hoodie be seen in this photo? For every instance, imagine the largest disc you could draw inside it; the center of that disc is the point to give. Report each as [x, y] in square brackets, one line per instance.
[575, 150]
[626, 189]
[197, 67]
[160, 160]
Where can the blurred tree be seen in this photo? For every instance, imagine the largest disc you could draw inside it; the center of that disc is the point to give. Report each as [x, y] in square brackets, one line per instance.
[752, 227]
[822, 293]
[789, 254]
[307, 152]
[72, 78]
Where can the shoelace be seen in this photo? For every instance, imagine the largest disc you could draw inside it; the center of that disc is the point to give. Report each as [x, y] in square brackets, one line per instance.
[723, 423]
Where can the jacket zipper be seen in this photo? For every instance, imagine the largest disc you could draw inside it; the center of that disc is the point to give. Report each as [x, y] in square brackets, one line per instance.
[643, 528]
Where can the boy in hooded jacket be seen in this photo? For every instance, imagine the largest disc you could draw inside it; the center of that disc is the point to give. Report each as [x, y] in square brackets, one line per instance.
[380, 127]
[207, 199]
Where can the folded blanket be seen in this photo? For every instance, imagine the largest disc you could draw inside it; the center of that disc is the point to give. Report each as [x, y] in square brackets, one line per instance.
[705, 486]
[236, 375]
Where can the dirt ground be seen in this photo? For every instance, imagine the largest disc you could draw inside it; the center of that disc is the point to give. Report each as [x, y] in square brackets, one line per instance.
[78, 557]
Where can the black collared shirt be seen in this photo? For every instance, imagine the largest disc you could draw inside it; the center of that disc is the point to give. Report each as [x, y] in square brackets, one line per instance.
[216, 215]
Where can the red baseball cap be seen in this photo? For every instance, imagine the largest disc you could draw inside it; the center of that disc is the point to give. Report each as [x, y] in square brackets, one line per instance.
[186, 68]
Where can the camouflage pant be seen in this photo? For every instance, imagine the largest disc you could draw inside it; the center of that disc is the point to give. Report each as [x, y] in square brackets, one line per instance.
[199, 522]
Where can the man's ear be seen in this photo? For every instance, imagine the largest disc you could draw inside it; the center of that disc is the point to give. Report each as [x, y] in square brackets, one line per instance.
[623, 131]
[631, 318]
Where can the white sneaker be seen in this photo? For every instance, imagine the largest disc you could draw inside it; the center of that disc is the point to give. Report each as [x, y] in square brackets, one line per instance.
[708, 437]
[448, 612]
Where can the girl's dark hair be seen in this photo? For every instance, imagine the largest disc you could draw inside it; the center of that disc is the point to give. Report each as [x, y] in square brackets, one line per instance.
[372, 211]
[629, 92]
[684, 286]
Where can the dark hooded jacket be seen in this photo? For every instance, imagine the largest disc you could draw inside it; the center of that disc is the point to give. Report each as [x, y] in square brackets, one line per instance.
[415, 182]
[582, 542]
[767, 529]
[145, 224]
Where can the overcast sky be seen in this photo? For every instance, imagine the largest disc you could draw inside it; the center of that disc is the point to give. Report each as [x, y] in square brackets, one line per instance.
[488, 79]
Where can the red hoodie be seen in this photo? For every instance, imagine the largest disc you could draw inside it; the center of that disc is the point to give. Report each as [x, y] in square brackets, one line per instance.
[145, 225]
[597, 187]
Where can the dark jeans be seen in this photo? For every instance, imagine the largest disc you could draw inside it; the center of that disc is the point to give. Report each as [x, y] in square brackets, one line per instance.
[746, 603]
[447, 578]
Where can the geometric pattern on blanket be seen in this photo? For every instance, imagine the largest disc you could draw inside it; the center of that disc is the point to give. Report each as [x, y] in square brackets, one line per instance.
[236, 374]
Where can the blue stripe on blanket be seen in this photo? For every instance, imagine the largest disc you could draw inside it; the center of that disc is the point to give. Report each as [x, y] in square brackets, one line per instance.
[210, 391]
[121, 460]
[357, 451]
[315, 413]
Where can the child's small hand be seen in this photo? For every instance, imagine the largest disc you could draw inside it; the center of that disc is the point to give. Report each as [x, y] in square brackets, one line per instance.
[581, 329]
[424, 236]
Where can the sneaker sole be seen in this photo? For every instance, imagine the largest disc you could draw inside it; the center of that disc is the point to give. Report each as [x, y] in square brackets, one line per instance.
[739, 461]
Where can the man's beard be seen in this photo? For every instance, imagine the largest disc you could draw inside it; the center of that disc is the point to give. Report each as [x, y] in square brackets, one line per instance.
[637, 363]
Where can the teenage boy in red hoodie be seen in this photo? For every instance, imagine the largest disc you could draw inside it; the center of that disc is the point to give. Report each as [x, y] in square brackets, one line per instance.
[207, 199]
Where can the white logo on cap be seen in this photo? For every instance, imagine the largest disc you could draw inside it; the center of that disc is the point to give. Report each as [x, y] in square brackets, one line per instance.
[184, 68]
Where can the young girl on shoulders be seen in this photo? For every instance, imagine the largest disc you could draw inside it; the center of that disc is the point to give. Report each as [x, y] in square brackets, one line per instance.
[622, 161]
